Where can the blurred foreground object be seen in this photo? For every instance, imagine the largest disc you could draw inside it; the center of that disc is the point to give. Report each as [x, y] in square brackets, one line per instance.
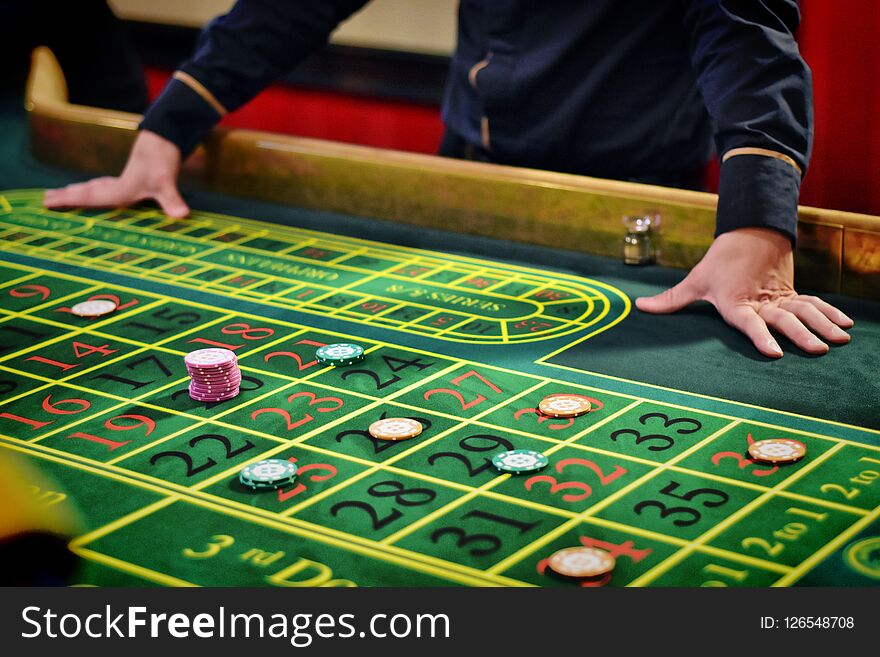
[36, 523]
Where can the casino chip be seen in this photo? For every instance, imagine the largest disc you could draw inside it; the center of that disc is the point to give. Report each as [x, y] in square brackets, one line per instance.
[213, 396]
[341, 353]
[210, 358]
[581, 562]
[96, 308]
[270, 473]
[395, 428]
[777, 450]
[518, 461]
[214, 374]
[564, 405]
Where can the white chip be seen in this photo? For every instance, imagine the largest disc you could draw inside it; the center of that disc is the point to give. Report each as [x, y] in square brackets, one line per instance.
[212, 356]
[94, 308]
[341, 351]
[778, 450]
[564, 405]
[582, 562]
[520, 460]
[268, 470]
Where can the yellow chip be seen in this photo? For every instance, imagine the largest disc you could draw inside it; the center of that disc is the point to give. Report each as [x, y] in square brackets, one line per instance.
[395, 428]
[777, 450]
[581, 562]
[564, 405]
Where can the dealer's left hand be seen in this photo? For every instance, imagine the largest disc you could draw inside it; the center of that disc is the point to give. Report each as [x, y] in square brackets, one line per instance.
[748, 275]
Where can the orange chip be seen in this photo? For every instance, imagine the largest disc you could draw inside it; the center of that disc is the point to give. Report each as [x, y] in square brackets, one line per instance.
[777, 450]
[395, 428]
[564, 405]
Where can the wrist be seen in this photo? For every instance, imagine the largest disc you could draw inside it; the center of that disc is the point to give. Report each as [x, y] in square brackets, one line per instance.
[147, 140]
[154, 152]
[768, 235]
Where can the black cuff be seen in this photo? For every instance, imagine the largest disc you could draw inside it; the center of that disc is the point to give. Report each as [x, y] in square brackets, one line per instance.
[756, 191]
[181, 116]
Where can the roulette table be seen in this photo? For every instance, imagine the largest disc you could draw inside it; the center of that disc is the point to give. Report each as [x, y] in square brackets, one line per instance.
[475, 292]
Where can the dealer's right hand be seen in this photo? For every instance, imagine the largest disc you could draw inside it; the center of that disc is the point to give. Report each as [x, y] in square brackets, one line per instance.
[150, 173]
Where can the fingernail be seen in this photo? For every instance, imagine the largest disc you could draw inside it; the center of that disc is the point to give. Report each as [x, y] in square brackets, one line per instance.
[773, 347]
[839, 334]
[817, 344]
[843, 318]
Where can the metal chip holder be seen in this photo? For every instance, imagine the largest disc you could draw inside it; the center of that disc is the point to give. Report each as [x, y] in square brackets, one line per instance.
[640, 243]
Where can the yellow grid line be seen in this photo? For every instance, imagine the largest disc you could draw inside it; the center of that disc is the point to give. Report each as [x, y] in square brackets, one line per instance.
[544, 361]
[501, 478]
[237, 226]
[464, 362]
[15, 282]
[523, 374]
[128, 567]
[730, 520]
[528, 549]
[814, 559]
[250, 514]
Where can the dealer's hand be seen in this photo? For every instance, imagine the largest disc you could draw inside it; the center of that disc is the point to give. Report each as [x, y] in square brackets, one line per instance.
[150, 173]
[748, 275]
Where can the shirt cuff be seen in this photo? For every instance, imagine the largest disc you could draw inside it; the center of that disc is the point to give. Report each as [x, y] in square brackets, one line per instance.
[181, 116]
[758, 192]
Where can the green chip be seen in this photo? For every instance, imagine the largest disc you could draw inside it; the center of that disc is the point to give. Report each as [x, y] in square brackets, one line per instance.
[273, 486]
[341, 353]
[270, 473]
[517, 461]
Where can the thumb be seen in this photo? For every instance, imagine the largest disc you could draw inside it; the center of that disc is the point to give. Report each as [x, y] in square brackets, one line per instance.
[172, 202]
[103, 192]
[673, 299]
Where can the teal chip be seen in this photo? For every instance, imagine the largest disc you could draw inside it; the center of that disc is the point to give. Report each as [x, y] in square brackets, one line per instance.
[269, 473]
[340, 353]
[518, 461]
[273, 486]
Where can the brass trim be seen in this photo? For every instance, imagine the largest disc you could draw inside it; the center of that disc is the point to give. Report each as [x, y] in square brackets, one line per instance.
[763, 152]
[484, 133]
[476, 68]
[201, 90]
[50, 84]
[861, 263]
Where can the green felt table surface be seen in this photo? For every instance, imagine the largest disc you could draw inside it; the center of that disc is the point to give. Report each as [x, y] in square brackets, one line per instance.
[688, 367]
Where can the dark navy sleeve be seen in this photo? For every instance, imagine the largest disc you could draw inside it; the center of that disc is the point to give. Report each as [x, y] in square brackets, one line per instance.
[758, 90]
[239, 54]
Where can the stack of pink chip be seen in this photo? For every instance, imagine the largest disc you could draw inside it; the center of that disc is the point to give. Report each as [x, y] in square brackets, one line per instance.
[215, 374]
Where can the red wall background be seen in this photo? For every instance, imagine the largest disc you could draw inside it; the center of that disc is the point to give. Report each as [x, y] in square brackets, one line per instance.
[838, 40]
